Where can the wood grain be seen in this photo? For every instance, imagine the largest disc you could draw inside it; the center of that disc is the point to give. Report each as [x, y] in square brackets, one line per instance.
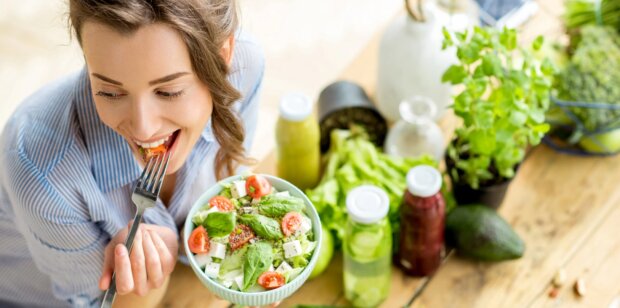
[556, 203]
[565, 208]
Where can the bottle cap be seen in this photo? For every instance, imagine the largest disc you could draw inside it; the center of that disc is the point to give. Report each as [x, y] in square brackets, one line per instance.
[423, 181]
[417, 110]
[367, 204]
[295, 107]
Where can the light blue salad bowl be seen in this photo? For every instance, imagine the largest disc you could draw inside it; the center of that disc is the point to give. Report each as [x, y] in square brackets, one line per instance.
[254, 298]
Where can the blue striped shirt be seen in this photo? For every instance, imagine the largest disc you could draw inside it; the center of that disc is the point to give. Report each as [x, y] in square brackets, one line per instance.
[66, 181]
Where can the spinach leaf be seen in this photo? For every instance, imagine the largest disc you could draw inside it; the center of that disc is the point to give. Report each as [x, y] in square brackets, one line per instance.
[263, 226]
[220, 223]
[278, 206]
[257, 261]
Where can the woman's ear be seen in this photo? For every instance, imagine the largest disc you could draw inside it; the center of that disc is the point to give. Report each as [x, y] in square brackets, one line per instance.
[228, 49]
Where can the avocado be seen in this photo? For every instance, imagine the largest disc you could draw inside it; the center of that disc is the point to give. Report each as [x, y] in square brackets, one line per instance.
[477, 232]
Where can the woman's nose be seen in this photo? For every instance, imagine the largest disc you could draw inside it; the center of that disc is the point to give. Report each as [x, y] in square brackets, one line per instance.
[144, 119]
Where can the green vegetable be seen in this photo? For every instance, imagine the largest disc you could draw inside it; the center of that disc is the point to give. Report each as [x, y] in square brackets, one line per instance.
[584, 12]
[278, 253]
[593, 76]
[199, 218]
[326, 252]
[503, 101]
[257, 261]
[264, 226]
[608, 142]
[292, 274]
[226, 190]
[278, 206]
[234, 261]
[298, 261]
[353, 160]
[220, 223]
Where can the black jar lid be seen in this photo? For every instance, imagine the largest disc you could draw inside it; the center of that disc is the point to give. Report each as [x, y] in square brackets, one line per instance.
[344, 103]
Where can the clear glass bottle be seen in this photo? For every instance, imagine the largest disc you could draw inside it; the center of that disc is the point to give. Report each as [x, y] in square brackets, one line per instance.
[297, 142]
[416, 133]
[367, 247]
[422, 214]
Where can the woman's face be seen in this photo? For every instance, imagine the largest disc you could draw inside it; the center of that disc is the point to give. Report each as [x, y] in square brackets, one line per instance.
[145, 89]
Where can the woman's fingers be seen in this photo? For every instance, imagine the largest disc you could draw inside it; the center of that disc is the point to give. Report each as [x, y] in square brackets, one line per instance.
[153, 264]
[108, 268]
[138, 267]
[122, 266]
[166, 258]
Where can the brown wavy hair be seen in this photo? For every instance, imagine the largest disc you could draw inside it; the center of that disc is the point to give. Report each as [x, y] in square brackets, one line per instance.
[204, 25]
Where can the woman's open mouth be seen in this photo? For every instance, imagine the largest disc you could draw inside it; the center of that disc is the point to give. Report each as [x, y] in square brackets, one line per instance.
[151, 149]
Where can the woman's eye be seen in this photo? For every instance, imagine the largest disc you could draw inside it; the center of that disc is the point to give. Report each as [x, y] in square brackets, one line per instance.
[169, 95]
[109, 95]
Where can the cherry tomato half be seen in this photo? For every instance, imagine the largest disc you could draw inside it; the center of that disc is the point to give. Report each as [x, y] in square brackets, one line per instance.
[222, 203]
[257, 186]
[271, 280]
[291, 223]
[199, 240]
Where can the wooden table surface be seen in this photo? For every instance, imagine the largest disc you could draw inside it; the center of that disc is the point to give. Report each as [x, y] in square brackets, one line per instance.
[564, 207]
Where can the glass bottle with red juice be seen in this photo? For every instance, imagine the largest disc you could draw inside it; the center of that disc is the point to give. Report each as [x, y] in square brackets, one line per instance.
[422, 220]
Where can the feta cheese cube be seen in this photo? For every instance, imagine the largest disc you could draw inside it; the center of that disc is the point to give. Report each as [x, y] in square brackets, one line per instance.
[292, 249]
[283, 268]
[283, 194]
[202, 259]
[227, 283]
[271, 269]
[306, 225]
[239, 281]
[237, 190]
[249, 210]
[212, 270]
[217, 250]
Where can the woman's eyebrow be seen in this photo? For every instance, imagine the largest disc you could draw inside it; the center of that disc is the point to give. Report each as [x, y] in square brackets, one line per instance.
[107, 79]
[152, 82]
[167, 78]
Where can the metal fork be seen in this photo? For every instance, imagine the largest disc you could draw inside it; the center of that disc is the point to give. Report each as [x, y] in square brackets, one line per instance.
[144, 196]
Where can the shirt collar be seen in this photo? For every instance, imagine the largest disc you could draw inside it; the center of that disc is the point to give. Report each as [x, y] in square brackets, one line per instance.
[207, 133]
[113, 164]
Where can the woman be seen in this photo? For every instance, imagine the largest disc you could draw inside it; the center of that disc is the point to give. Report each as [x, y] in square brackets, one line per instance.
[156, 71]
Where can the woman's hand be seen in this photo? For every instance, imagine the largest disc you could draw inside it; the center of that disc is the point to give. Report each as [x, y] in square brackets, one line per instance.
[153, 257]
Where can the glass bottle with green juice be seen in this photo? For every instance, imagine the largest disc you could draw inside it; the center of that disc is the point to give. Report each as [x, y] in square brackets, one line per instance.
[367, 247]
[297, 141]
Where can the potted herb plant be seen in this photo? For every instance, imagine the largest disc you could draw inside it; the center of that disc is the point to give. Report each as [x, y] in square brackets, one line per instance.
[503, 97]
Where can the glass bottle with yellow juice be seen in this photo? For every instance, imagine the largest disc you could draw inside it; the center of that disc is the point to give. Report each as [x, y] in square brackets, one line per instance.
[297, 141]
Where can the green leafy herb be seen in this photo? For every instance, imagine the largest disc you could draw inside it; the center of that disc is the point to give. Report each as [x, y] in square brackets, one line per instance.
[504, 97]
[278, 206]
[264, 226]
[258, 259]
[220, 223]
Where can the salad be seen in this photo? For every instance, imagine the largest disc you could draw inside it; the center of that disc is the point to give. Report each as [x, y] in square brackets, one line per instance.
[251, 237]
